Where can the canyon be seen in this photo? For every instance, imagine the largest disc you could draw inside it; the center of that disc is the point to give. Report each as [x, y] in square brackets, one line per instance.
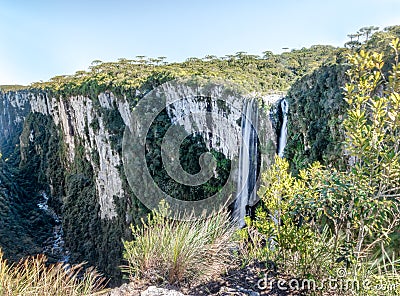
[69, 151]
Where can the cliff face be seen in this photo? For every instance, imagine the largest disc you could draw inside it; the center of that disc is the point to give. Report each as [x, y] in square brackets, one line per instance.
[316, 113]
[24, 227]
[82, 124]
[14, 108]
[71, 149]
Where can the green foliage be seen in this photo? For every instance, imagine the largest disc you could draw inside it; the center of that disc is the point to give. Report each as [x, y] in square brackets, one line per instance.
[115, 126]
[320, 222]
[20, 216]
[315, 119]
[40, 157]
[324, 219]
[320, 197]
[179, 252]
[191, 148]
[13, 87]
[373, 125]
[99, 240]
[288, 219]
[365, 33]
[134, 78]
[317, 108]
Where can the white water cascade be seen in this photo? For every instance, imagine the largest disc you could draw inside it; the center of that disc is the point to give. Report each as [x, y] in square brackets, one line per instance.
[247, 169]
[54, 245]
[283, 134]
[281, 149]
[247, 174]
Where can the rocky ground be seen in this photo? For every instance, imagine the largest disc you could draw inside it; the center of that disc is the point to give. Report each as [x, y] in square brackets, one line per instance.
[242, 282]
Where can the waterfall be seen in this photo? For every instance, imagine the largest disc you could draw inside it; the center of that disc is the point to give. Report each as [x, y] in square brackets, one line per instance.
[283, 135]
[247, 169]
[247, 166]
[281, 149]
[54, 245]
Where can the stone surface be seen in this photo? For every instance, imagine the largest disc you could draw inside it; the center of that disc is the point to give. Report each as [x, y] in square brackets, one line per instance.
[82, 124]
[130, 290]
[14, 107]
[75, 116]
[154, 291]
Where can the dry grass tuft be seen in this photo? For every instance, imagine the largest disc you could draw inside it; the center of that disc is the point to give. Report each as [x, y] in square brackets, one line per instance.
[179, 252]
[33, 277]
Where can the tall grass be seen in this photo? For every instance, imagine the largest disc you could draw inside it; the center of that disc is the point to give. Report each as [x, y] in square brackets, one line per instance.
[378, 274]
[33, 277]
[179, 252]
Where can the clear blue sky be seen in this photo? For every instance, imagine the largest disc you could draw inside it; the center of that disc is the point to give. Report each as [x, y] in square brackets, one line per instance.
[41, 39]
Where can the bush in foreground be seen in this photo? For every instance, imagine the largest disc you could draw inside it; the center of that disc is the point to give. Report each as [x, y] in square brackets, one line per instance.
[329, 224]
[32, 277]
[170, 251]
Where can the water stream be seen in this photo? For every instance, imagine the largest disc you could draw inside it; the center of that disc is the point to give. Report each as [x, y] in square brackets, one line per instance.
[283, 135]
[54, 246]
[281, 150]
[247, 170]
[247, 175]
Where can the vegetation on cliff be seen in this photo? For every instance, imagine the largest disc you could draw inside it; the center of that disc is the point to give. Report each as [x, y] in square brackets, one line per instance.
[23, 226]
[318, 108]
[342, 223]
[335, 198]
[100, 242]
[134, 78]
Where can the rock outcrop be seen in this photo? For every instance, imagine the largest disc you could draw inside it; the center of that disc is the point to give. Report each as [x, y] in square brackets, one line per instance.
[71, 149]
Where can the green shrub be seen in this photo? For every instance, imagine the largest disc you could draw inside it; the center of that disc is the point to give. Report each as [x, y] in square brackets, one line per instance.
[179, 252]
[327, 220]
[287, 224]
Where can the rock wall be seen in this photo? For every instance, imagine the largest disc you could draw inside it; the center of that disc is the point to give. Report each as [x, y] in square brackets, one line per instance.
[71, 148]
[14, 107]
[83, 126]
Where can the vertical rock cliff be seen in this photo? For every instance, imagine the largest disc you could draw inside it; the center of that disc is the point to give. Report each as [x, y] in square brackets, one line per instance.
[69, 149]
